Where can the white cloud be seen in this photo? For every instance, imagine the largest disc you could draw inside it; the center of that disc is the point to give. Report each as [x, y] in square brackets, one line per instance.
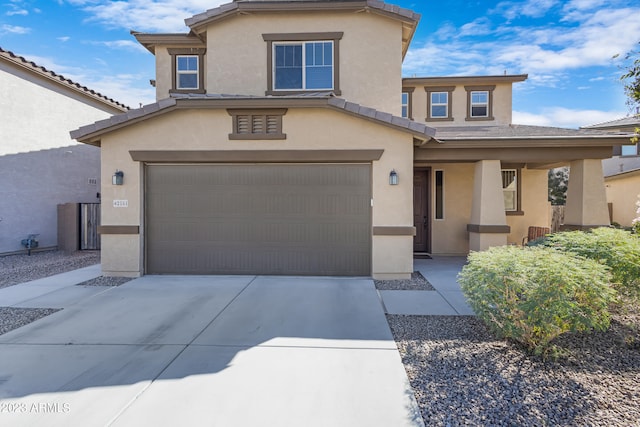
[64, 39]
[530, 8]
[121, 44]
[565, 117]
[17, 11]
[145, 15]
[14, 29]
[480, 26]
[548, 52]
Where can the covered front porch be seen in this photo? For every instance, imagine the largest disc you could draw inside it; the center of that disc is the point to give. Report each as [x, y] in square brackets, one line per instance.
[485, 186]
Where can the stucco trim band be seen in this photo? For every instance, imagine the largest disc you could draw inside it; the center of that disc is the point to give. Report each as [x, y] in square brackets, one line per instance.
[394, 231]
[256, 156]
[488, 229]
[119, 229]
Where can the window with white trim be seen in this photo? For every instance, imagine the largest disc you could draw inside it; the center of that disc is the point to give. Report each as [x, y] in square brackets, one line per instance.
[187, 71]
[629, 150]
[439, 105]
[510, 189]
[405, 105]
[303, 65]
[479, 105]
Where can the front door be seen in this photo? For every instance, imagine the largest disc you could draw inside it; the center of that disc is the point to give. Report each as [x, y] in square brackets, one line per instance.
[421, 209]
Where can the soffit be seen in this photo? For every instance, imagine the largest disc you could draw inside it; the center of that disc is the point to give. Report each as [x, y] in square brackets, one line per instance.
[457, 80]
[150, 41]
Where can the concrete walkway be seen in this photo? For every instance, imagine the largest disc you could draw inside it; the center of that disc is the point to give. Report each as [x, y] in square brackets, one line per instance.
[447, 299]
[196, 350]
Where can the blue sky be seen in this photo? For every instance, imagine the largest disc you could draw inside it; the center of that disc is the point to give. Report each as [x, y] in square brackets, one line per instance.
[566, 47]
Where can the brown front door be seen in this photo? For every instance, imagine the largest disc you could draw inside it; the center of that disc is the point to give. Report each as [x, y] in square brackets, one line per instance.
[421, 181]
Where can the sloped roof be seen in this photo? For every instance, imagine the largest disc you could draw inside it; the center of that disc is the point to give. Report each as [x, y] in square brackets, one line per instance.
[410, 19]
[90, 134]
[631, 121]
[34, 68]
[517, 132]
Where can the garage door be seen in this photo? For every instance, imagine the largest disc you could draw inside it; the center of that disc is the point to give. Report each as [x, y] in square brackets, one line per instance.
[258, 219]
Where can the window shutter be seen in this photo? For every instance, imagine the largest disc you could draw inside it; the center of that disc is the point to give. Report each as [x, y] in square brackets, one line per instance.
[273, 124]
[243, 124]
[257, 124]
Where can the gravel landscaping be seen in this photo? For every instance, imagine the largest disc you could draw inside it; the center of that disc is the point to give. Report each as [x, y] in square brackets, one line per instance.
[462, 375]
[106, 281]
[416, 283]
[12, 318]
[21, 268]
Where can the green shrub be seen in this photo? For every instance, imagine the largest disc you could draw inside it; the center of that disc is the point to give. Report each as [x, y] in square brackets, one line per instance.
[618, 249]
[532, 295]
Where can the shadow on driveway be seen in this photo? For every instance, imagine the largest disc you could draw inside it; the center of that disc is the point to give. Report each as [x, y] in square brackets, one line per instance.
[193, 350]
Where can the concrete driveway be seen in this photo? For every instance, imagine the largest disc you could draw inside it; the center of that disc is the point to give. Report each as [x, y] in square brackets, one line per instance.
[215, 351]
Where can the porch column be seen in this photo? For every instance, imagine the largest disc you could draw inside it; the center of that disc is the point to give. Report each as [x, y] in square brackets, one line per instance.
[586, 197]
[488, 226]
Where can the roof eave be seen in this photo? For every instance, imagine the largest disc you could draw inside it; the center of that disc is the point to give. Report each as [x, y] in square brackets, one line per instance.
[91, 134]
[444, 80]
[535, 141]
[150, 41]
[199, 22]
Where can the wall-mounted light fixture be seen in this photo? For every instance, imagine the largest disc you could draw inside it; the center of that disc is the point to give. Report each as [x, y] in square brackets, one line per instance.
[393, 177]
[117, 178]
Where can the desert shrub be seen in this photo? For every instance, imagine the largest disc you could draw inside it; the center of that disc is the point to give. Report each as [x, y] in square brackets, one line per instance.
[532, 295]
[618, 249]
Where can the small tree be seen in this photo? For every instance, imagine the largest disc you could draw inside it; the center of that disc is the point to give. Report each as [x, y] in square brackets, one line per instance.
[558, 184]
[631, 79]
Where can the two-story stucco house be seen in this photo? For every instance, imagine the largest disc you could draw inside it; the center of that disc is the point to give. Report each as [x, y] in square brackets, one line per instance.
[278, 145]
[40, 165]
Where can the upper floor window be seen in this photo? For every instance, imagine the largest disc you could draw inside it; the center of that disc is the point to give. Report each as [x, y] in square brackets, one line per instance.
[302, 62]
[439, 103]
[187, 72]
[407, 100]
[629, 150]
[479, 102]
[306, 65]
[405, 105]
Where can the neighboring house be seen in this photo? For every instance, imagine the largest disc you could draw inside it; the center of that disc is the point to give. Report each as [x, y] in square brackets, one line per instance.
[622, 171]
[277, 146]
[40, 165]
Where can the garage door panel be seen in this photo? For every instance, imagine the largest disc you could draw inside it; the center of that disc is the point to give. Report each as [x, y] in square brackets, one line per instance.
[258, 219]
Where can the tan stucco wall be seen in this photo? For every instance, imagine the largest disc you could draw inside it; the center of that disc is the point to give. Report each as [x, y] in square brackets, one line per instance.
[370, 55]
[450, 236]
[535, 206]
[305, 129]
[586, 196]
[502, 105]
[623, 192]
